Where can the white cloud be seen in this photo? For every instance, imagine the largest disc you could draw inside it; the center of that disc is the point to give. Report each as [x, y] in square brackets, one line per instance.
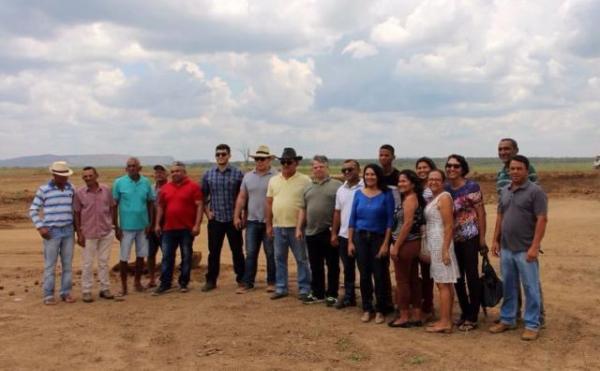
[360, 49]
[177, 77]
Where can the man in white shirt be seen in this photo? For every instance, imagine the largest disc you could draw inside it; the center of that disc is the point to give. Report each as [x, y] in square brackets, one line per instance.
[339, 228]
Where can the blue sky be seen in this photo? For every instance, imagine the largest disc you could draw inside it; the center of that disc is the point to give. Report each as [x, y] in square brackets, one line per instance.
[334, 77]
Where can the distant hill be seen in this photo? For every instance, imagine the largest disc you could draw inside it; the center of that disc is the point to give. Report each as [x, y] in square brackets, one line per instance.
[102, 160]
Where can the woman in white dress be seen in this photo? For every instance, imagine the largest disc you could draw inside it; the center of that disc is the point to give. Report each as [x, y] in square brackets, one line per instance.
[444, 268]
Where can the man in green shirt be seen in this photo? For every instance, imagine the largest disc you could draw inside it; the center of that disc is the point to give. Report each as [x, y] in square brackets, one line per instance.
[134, 201]
[316, 215]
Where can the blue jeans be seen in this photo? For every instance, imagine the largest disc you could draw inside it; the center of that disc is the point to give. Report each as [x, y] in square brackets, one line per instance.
[256, 232]
[59, 244]
[172, 239]
[515, 267]
[285, 237]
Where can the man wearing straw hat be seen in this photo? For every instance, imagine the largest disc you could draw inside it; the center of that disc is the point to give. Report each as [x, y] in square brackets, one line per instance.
[55, 201]
[250, 213]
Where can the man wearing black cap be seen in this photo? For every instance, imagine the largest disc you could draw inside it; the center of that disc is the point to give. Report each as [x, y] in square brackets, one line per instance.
[161, 177]
[284, 199]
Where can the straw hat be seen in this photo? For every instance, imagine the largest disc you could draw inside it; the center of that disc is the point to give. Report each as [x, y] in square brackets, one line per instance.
[60, 168]
[262, 151]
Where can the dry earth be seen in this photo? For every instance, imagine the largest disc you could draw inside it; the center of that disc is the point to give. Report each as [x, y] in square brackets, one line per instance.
[223, 330]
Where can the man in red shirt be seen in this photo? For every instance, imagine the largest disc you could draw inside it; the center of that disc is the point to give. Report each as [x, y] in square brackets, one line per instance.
[180, 208]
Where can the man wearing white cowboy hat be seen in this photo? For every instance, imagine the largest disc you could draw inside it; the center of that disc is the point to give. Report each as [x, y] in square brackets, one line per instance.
[55, 225]
[284, 198]
[250, 213]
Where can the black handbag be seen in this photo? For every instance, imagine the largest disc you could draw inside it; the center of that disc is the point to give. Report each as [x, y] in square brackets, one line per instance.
[491, 284]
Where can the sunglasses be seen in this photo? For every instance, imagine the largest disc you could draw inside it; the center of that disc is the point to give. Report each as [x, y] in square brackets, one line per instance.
[347, 170]
[286, 162]
[452, 166]
[260, 159]
[221, 154]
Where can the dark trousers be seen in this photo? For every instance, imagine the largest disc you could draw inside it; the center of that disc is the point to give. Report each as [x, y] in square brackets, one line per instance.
[426, 287]
[467, 256]
[349, 264]
[372, 269]
[172, 239]
[320, 252]
[216, 235]
[406, 268]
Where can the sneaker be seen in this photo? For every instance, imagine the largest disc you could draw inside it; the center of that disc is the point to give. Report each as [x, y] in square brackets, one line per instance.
[106, 294]
[310, 299]
[341, 304]
[500, 327]
[160, 290]
[87, 297]
[529, 335]
[279, 295]
[303, 297]
[270, 288]
[208, 286]
[330, 301]
[50, 300]
[379, 318]
[183, 289]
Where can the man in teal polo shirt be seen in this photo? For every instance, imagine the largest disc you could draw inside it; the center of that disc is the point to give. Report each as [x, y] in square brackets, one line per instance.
[134, 199]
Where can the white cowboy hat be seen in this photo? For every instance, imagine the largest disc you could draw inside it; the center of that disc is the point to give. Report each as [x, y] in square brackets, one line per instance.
[60, 168]
[262, 151]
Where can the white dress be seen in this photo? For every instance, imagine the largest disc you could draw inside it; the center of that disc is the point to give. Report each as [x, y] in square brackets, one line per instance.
[440, 272]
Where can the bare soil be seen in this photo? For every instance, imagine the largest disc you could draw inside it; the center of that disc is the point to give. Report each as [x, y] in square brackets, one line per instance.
[227, 331]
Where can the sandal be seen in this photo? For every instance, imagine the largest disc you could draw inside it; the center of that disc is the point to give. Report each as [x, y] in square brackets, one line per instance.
[467, 326]
[438, 330]
[458, 322]
[405, 324]
[68, 299]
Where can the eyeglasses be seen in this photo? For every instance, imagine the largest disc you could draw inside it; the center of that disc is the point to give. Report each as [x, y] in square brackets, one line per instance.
[221, 154]
[260, 159]
[452, 166]
[347, 170]
[286, 162]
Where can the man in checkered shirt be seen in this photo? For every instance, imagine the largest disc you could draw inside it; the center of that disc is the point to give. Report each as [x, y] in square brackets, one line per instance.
[220, 186]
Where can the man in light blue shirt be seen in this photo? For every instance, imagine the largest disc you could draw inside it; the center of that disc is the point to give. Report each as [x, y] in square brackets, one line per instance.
[55, 201]
[134, 199]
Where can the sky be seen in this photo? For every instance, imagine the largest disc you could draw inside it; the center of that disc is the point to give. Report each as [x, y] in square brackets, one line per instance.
[333, 77]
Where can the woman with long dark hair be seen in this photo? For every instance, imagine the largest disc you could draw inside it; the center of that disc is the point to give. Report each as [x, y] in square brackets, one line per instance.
[406, 249]
[369, 233]
[469, 237]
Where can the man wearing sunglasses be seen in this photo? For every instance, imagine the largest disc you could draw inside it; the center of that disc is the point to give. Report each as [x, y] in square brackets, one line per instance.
[220, 187]
[250, 213]
[339, 229]
[284, 198]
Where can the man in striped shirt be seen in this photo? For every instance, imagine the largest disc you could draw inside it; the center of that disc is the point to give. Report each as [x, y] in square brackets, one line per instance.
[52, 214]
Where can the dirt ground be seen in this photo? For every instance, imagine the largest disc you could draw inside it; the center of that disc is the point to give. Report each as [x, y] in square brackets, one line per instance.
[227, 331]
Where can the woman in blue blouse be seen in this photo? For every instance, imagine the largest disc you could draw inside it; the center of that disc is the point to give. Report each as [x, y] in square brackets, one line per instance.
[369, 233]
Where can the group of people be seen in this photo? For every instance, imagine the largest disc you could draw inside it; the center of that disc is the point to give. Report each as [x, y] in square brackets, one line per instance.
[430, 223]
